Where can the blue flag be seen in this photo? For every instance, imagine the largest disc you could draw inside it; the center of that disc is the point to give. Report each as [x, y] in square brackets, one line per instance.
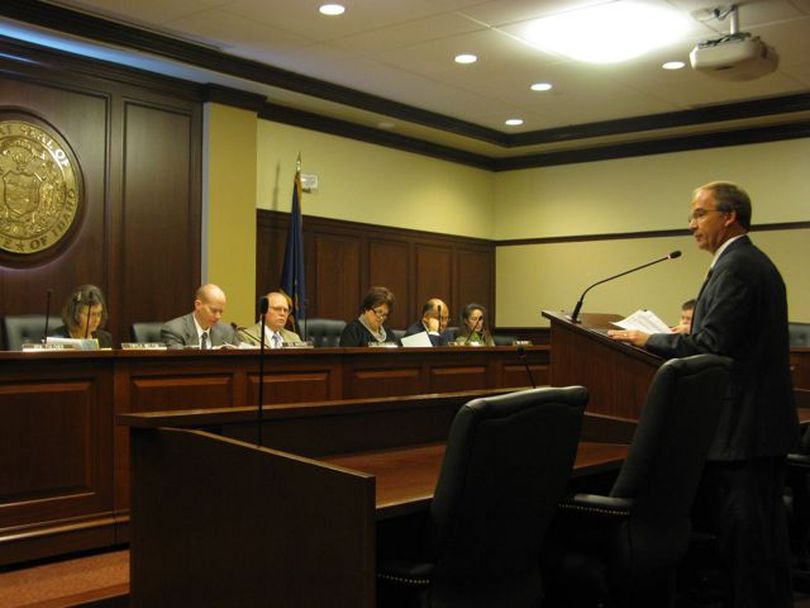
[293, 283]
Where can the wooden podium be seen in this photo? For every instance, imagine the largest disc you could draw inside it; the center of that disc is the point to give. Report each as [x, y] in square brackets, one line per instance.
[617, 375]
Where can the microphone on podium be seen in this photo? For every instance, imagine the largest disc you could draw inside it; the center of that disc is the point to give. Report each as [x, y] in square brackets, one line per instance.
[48, 295]
[670, 256]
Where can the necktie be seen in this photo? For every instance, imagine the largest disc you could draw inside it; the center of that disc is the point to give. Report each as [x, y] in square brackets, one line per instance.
[705, 282]
[204, 341]
[276, 340]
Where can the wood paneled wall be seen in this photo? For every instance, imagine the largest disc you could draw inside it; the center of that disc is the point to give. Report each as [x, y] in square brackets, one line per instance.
[343, 259]
[138, 140]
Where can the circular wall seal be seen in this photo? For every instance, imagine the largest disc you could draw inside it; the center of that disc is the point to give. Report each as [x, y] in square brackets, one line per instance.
[40, 187]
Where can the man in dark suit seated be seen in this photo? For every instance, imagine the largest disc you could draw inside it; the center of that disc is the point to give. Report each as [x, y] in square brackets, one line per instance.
[201, 327]
[741, 312]
[435, 316]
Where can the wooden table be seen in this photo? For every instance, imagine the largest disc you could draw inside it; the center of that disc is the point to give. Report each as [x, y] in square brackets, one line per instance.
[406, 476]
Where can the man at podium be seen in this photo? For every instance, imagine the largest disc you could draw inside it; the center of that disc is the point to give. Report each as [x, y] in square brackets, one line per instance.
[741, 312]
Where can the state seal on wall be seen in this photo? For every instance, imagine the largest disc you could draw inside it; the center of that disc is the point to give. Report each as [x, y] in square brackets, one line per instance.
[40, 186]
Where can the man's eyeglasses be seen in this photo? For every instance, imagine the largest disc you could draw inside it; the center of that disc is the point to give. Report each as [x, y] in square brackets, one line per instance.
[699, 214]
[282, 309]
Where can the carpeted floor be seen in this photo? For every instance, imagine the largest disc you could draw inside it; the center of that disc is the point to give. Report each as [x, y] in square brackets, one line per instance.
[94, 579]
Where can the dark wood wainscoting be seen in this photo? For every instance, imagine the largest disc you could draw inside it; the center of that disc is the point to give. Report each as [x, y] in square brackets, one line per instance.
[138, 143]
[344, 259]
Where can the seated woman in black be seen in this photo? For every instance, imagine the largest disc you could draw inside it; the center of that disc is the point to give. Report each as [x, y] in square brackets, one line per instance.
[473, 328]
[84, 314]
[369, 327]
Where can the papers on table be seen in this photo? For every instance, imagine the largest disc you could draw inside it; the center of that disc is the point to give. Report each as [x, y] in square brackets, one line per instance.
[420, 339]
[646, 321]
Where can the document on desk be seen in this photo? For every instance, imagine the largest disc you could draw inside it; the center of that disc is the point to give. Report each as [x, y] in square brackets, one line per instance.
[646, 321]
[420, 339]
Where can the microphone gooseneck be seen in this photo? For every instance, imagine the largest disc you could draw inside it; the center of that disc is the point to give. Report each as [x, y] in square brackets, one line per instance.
[48, 295]
[521, 353]
[575, 315]
[264, 304]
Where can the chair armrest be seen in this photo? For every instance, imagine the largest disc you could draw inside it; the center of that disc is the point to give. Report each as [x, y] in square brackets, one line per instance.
[596, 504]
[798, 461]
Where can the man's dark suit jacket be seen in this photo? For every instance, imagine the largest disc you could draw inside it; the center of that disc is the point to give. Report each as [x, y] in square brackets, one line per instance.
[435, 339]
[181, 332]
[741, 313]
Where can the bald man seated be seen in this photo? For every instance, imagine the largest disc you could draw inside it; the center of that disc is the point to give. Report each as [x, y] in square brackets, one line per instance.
[435, 316]
[201, 327]
[275, 334]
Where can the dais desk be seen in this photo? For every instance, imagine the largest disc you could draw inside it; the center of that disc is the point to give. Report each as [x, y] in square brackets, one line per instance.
[64, 466]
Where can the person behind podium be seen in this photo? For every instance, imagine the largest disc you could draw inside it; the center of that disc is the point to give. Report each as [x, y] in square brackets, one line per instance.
[741, 312]
[684, 326]
[83, 316]
[473, 330]
[201, 327]
[369, 328]
[275, 333]
[435, 316]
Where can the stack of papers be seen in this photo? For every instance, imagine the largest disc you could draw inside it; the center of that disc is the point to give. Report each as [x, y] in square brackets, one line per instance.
[646, 321]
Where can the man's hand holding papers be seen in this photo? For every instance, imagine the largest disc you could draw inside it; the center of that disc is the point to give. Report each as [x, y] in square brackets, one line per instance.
[636, 328]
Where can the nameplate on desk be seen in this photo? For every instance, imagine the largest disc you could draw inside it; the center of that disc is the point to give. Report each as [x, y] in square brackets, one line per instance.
[38, 346]
[298, 345]
[74, 343]
[143, 346]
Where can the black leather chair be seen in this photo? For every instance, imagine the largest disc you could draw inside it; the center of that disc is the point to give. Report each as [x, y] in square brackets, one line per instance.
[146, 332]
[799, 333]
[503, 340]
[623, 549]
[322, 332]
[507, 463]
[19, 329]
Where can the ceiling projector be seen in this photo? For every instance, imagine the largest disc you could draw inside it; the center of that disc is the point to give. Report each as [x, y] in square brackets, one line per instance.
[734, 57]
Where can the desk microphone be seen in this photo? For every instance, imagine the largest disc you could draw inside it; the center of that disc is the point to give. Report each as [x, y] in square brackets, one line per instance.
[48, 295]
[264, 304]
[521, 353]
[575, 314]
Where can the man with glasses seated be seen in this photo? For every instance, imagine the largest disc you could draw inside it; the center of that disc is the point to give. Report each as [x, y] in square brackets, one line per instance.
[369, 328]
[275, 320]
[435, 316]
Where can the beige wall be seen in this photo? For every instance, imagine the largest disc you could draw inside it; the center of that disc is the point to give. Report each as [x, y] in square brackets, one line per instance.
[367, 183]
[229, 208]
[372, 184]
[637, 195]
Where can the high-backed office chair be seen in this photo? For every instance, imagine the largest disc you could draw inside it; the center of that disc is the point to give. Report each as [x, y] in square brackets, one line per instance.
[507, 463]
[398, 333]
[797, 501]
[146, 331]
[19, 329]
[799, 333]
[503, 340]
[623, 549]
[322, 332]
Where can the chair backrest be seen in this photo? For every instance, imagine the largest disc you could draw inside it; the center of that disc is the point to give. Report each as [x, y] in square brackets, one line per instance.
[503, 340]
[673, 436]
[322, 332]
[507, 463]
[146, 331]
[19, 329]
[799, 333]
[398, 333]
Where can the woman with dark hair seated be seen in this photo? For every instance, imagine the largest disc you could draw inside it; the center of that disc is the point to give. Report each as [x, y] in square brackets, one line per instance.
[473, 328]
[369, 327]
[84, 314]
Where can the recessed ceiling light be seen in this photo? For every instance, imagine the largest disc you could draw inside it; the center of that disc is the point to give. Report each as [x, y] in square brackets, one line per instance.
[674, 65]
[466, 58]
[607, 33]
[385, 124]
[513, 122]
[541, 86]
[331, 9]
